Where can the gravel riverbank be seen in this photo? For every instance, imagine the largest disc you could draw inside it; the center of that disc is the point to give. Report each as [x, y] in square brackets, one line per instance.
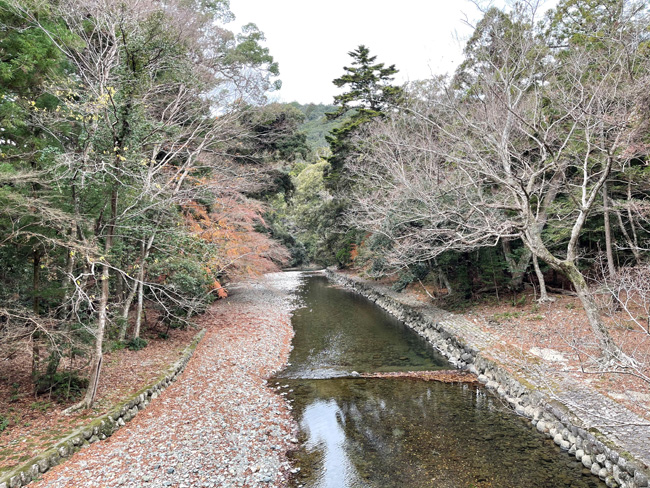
[219, 424]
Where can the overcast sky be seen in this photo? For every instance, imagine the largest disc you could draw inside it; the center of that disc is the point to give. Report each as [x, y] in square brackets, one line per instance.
[311, 38]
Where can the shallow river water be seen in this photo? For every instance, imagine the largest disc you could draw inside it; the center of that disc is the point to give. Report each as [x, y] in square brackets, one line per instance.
[400, 432]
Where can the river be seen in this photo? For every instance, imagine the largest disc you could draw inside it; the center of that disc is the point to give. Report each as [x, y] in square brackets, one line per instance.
[400, 432]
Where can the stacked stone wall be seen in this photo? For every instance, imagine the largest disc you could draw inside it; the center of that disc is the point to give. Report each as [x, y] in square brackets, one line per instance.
[551, 418]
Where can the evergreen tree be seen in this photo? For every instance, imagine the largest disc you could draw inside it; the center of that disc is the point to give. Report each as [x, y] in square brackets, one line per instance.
[369, 95]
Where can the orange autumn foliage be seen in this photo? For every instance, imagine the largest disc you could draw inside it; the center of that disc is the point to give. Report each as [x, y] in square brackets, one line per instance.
[354, 252]
[228, 226]
[220, 290]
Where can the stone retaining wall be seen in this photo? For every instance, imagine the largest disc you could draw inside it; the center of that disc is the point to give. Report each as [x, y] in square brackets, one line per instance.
[617, 469]
[100, 428]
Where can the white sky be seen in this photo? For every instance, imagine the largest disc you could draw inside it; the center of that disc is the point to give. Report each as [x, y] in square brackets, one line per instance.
[311, 38]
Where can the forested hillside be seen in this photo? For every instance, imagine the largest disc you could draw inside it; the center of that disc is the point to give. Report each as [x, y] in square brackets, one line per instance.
[133, 146]
[528, 165]
[141, 167]
[316, 126]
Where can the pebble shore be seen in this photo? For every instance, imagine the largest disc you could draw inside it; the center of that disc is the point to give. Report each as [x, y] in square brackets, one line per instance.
[220, 424]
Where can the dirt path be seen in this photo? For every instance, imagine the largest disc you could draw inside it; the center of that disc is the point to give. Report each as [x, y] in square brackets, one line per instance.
[219, 424]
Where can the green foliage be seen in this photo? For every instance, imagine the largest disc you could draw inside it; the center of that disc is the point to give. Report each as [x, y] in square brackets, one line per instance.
[186, 282]
[136, 344]
[61, 386]
[40, 406]
[275, 134]
[316, 125]
[506, 316]
[369, 94]
[183, 276]
[112, 121]
[4, 423]
[116, 345]
[411, 274]
[14, 393]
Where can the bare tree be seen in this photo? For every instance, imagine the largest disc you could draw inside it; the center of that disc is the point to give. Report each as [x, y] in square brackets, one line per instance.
[153, 102]
[524, 140]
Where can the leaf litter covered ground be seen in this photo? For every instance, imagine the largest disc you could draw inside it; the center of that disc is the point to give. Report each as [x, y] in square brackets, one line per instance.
[35, 423]
[554, 340]
[218, 424]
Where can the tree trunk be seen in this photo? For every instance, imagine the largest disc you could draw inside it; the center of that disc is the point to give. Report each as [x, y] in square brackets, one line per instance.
[119, 286]
[543, 295]
[611, 268]
[102, 313]
[138, 316]
[36, 351]
[36, 283]
[567, 267]
[445, 281]
[608, 347]
[632, 245]
[95, 372]
[125, 310]
[517, 269]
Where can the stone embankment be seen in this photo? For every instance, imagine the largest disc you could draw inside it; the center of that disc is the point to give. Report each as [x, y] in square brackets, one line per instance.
[617, 453]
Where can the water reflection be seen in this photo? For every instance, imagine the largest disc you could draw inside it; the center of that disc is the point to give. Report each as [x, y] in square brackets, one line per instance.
[338, 332]
[385, 433]
[322, 422]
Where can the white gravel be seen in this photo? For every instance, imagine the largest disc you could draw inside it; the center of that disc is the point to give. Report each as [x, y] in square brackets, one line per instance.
[219, 424]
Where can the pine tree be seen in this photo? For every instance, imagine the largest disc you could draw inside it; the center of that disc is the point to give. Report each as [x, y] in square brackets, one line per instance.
[370, 94]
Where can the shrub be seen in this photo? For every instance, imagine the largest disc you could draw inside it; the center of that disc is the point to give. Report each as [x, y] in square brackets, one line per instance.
[136, 344]
[61, 386]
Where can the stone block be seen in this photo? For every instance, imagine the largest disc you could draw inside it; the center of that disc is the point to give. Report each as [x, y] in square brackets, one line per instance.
[586, 461]
[43, 465]
[25, 477]
[640, 479]
[54, 459]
